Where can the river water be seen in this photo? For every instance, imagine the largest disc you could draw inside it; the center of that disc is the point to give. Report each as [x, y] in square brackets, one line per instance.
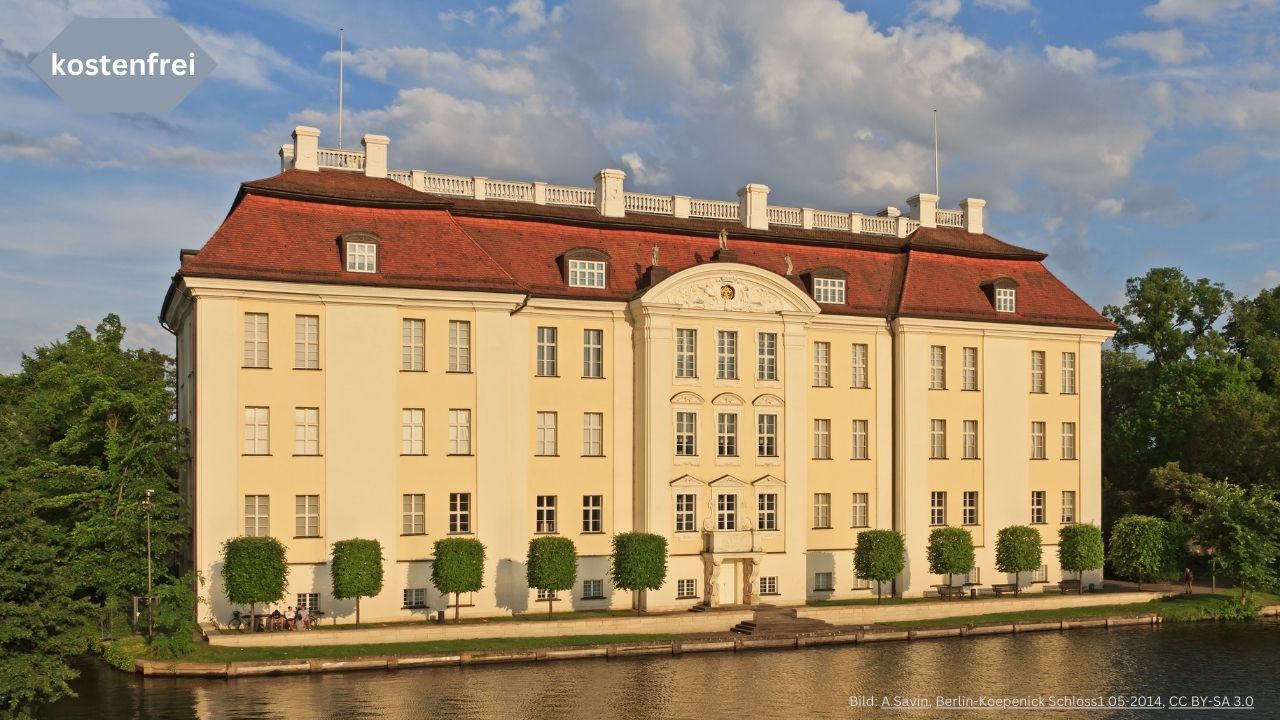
[1149, 668]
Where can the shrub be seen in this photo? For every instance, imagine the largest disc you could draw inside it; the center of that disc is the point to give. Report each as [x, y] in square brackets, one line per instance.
[175, 618]
[1139, 547]
[253, 571]
[356, 569]
[458, 567]
[1080, 549]
[552, 565]
[950, 552]
[1018, 551]
[639, 562]
[879, 555]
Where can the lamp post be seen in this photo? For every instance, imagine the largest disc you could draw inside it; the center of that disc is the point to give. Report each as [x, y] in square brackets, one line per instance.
[146, 510]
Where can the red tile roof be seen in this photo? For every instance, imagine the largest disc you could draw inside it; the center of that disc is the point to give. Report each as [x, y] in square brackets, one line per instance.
[287, 228]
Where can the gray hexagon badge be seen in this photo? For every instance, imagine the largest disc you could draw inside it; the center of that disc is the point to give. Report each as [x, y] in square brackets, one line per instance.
[123, 64]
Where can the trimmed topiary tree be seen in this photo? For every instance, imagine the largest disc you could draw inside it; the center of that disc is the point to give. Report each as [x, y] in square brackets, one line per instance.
[638, 563]
[1018, 551]
[950, 552]
[1080, 549]
[879, 555]
[356, 570]
[253, 571]
[458, 567]
[552, 565]
[1139, 547]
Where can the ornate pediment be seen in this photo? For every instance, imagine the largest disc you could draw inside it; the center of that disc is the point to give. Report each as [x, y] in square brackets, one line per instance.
[727, 481]
[730, 287]
[687, 481]
[767, 400]
[686, 398]
[768, 480]
[727, 399]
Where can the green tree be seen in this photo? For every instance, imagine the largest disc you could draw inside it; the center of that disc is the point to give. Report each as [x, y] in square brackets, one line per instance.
[175, 617]
[1017, 551]
[356, 570]
[1240, 527]
[879, 555]
[1139, 547]
[1254, 333]
[552, 566]
[42, 627]
[950, 552]
[638, 563]
[458, 567]
[254, 571]
[1169, 315]
[1080, 549]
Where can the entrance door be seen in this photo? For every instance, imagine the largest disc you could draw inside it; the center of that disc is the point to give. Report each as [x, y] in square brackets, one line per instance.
[730, 582]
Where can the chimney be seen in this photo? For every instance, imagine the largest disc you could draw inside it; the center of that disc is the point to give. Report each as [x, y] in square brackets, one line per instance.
[972, 208]
[609, 200]
[753, 206]
[286, 157]
[924, 207]
[306, 142]
[375, 155]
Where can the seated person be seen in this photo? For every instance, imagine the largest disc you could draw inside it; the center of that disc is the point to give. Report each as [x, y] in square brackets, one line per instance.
[303, 619]
[277, 618]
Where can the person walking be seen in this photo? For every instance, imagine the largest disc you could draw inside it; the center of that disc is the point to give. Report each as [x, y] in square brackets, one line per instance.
[1187, 577]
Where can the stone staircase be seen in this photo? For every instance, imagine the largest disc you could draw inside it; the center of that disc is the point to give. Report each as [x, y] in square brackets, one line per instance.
[780, 621]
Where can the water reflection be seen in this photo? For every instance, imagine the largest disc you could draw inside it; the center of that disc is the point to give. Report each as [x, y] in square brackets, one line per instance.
[1183, 660]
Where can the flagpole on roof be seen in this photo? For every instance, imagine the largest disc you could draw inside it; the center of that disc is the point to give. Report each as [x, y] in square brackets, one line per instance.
[937, 185]
[340, 87]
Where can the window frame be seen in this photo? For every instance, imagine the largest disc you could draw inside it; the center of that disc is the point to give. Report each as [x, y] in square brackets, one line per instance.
[767, 437]
[1069, 450]
[969, 369]
[413, 344]
[726, 354]
[861, 438]
[686, 433]
[829, 290]
[261, 515]
[686, 512]
[821, 438]
[257, 350]
[587, 273]
[727, 435]
[545, 520]
[592, 514]
[306, 423]
[766, 356]
[969, 507]
[821, 364]
[258, 442]
[861, 366]
[969, 436]
[1038, 509]
[459, 346]
[727, 512]
[1038, 386]
[547, 359]
[413, 514]
[546, 433]
[767, 511]
[822, 511]
[309, 517]
[937, 367]
[592, 353]
[360, 255]
[1068, 519]
[1038, 440]
[1068, 371]
[460, 431]
[460, 513]
[592, 434]
[686, 353]
[1006, 299]
[937, 508]
[413, 431]
[861, 507]
[306, 342]
[937, 439]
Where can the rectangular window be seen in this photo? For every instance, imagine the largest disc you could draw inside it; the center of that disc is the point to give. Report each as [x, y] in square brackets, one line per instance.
[587, 273]
[546, 594]
[970, 439]
[412, 431]
[413, 354]
[306, 516]
[767, 356]
[767, 435]
[592, 353]
[861, 584]
[1037, 440]
[859, 365]
[415, 597]
[459, 512]
[686, 588]
[727, 434]
[257, 515]
[822, 364]
[1068, 507]
[306, 431]
[257, 431]
[459, 346]
[1041, 575]
[1037, 507]
[969, 369]
[459, 432]
[306, 341]
[546, 434]
[1068, 373]
[937, 508]
[593, 589]
[937, 367]
[726, 355]
[1068, 441]
[769, 585]
[686, 433]
[821, 439]
[970, 507]
[938, 439]
[362, 257]
[686, 353]
[822, 510]
[829, 291]
[592, 513]
[593, 434]
[1005, 300]
[547, 352]
[255, 340]
[861, 447]
[1037, 371]
[414, 513]
[546, 514]
[686, 512]
[726, 512]
[823, 582]
[310, 601]
[860, 515]
[767, 511]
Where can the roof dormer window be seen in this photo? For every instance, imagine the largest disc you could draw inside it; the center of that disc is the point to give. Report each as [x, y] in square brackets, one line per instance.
[828, 291]
[362, 257]
[587, 273]
[1002, 293]
[1006, 299]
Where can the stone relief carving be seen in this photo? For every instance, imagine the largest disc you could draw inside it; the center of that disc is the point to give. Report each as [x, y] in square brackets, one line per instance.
[708, 295]
[713, 586]
[767, 401]
[686, 398]
[727, 399]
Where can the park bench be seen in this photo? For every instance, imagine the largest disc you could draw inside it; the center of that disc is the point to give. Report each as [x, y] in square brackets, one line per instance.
[949, 592]
[1004, 588]
[1069, 586]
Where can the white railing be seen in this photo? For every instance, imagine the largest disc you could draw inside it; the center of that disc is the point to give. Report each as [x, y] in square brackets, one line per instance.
[404, 177]
[508, 190]
[949, 218]
[651, 204]
[827, 220]
[779, 215]
[875, 225]
[449, 185]
[912, 225]
[340, 159]
[713, 209]
[574, 196]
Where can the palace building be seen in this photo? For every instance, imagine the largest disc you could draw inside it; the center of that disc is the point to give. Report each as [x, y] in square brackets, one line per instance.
[407, 356]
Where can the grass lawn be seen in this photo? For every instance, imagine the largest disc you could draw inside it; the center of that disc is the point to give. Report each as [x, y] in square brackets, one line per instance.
[1178, 608]
[213, 653]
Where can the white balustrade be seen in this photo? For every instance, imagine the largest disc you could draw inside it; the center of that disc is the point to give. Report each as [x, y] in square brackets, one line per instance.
[827, 220]
[508, 190]
[404, 177]
[651, 204]
[449, 184]
[713, 209]
[949, 218]
[912, 225]
[573, 196]
[874, 225]
[340, 159]
[779, 215]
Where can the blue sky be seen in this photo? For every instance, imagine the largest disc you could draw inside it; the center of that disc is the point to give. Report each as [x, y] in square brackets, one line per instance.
[1116, 136]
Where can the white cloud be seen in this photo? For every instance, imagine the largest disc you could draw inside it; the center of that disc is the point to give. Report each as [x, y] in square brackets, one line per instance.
[29, 26]
[15, 147]
[1167, 47]
[642, 174]
[1072, 59]
[944, 10]
[491, 70]
[1005, 5]
[530, 15]
[243, 59]
[1200, 10]
[451, 17]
